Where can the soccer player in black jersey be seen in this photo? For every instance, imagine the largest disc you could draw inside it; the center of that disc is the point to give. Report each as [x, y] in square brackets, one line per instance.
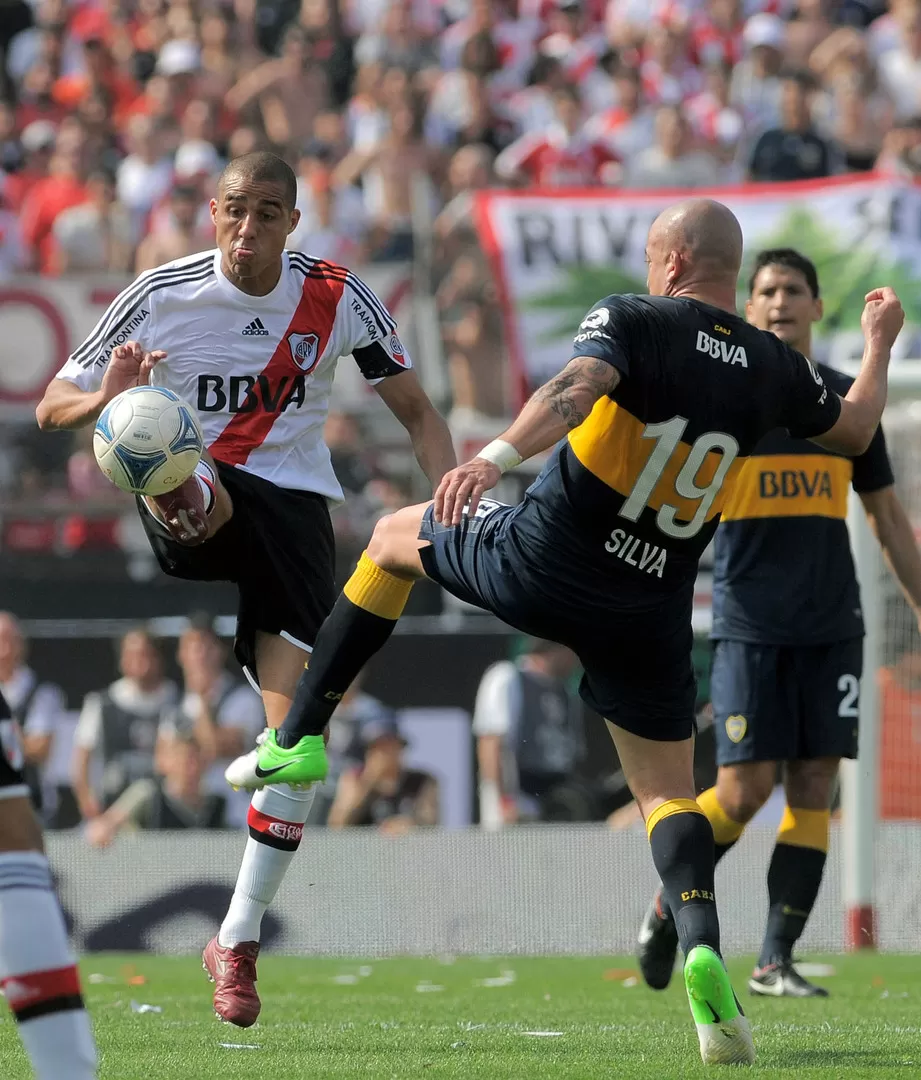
[787, 632]
[663, 400]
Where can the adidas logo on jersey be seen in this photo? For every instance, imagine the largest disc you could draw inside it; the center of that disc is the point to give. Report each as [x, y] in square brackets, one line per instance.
[255, 329]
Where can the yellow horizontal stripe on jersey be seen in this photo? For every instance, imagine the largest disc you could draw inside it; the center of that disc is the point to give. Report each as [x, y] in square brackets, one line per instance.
[610, 445]
[790, 485]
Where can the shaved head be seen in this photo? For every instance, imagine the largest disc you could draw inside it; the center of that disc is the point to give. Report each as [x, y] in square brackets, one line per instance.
[705, 231]
[261, 167]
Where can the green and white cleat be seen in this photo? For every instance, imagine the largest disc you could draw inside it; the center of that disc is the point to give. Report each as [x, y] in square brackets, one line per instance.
[724, 1033]
[304, 764]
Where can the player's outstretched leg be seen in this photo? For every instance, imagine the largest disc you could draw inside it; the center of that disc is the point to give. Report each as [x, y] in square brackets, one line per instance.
[361, 622]
[657, 941]
[276, 826]
[38, 972]
[794, 877]
[660, 775]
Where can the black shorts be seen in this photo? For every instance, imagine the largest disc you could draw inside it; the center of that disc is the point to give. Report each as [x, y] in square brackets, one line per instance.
[277, 548]
[12, 782]
[637, 673]
[785, 703]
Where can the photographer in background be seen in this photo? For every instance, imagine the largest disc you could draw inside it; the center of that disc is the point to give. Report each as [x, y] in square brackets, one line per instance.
[528, 725]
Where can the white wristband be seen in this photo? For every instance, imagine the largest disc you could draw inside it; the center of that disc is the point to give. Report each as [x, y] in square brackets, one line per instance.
[501, 453]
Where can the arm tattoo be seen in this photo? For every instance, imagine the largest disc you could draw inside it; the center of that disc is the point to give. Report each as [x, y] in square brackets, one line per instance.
[573, 392]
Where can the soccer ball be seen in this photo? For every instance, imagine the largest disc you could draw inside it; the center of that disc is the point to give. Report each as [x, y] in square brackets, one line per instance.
[148, 440]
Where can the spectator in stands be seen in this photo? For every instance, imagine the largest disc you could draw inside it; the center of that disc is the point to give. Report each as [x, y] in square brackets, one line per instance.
[755, 88]
[528, 726]
[398, 42]
[672, 162]
[62, 188]
[180, 235]
[286, 93]
[37, 141]
[793, 151]
[38, 707]
[901, 150]
[856, 125]
[713, 120]
[531, 110]
[222, 713]
[383, 791]
[668, 75]
[117, 730]
[12, 255]
[561, 156]
[146, 174]
[628, 125]
[97, 236]
[176, 799]
[900, 67]
[354, 713]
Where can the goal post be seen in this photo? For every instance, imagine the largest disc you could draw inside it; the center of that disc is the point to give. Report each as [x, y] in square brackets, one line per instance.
[882, 783]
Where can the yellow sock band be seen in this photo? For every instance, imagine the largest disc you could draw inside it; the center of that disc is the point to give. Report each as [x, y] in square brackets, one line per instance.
[376, 590]
[673, 806]
[805, 828]
[725, 829]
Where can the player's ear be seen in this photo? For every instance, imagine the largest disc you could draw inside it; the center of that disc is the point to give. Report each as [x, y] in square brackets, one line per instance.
[748, 310]
[212, 205]
[818, 311]
[295, 218]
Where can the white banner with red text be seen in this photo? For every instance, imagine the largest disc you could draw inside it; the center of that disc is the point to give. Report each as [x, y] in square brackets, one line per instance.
[556, 253]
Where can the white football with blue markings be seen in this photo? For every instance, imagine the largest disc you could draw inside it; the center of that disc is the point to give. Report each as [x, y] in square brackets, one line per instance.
[148, 440]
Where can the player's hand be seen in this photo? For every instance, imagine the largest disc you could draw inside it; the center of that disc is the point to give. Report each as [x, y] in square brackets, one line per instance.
[883, 316]
[100, 832]
[464, 484]
[130, 365]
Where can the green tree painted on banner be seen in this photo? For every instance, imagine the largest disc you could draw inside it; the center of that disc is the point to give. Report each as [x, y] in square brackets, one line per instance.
[846, 273]
[581, 288]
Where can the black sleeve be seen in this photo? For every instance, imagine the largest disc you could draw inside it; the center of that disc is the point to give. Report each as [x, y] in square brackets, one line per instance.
[755, 164]
[873, 470]
[809, 407]
[604, 333]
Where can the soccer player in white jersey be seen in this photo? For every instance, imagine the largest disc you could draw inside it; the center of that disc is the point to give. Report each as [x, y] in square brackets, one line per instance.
[38, 971]
[250, 335]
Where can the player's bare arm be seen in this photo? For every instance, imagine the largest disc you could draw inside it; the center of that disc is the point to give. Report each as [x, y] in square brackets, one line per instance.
[862, 408]
[555, 409]
[896, 536]
[432, 443]
[65, 405]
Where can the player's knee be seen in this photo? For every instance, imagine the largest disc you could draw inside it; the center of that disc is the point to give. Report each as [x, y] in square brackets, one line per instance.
[19, 827]
[394, 543]
[742, 796]
[809, 785]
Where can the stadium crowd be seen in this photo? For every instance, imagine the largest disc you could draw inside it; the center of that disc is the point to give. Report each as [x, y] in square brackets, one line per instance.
[117, 115]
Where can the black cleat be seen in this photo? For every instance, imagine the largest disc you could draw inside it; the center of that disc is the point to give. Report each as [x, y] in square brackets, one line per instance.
[657, 945]
[783, 980]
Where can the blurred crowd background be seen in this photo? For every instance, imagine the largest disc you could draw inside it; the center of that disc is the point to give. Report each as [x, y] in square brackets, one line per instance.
[117, 115]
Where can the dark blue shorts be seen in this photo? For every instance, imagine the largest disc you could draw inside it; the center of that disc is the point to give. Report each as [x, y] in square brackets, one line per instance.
[640, 677]
[785, 703]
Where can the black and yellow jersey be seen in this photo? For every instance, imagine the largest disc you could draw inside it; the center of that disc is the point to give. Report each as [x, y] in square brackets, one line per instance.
[627, 503]
[783, 573]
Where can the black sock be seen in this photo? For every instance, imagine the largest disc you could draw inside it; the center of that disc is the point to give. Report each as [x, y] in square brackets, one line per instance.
[681, 841]
[794, 877]
[346, 642]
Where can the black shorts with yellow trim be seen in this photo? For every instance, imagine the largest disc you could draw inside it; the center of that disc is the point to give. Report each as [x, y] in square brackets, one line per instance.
[638, 672]
[784, 702]
[277, 548]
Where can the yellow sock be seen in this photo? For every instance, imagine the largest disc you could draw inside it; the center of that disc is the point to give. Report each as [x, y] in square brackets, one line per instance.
[805, 828]
[725, 829]
[376, 590]
[673, 806]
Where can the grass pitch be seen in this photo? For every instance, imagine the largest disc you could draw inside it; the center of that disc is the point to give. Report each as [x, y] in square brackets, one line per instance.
[489, 1018]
